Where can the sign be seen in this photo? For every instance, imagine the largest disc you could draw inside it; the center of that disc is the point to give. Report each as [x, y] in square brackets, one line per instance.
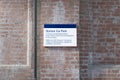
[60, 35]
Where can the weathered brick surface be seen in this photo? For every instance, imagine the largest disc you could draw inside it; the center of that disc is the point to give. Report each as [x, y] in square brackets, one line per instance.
[99, 52]
[85, 36]
[14, 39]
[13, 32]
[98, 40]
[53, 63]
[57, 63]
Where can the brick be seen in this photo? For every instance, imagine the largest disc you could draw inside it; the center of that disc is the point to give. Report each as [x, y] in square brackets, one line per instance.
[99, 17]
[63, 62]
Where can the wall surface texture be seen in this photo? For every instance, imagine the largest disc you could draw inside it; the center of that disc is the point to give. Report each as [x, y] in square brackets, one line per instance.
[57, 63]
[100, 39]
[16, 40]
[98, 30]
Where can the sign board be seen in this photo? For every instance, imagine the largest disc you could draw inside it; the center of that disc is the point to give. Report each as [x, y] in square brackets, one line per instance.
[60, 35]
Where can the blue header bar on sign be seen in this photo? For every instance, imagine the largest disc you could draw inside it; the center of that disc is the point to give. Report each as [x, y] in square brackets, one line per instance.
[59, 25]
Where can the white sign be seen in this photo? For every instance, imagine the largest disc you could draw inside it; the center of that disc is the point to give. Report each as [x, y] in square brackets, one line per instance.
[60, 35]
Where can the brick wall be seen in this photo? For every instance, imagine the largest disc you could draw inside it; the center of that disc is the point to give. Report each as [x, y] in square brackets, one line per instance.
[98, 40]
[57, 63]
[14, 49]
[100, 36]
[16, 21]
[86, 40]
